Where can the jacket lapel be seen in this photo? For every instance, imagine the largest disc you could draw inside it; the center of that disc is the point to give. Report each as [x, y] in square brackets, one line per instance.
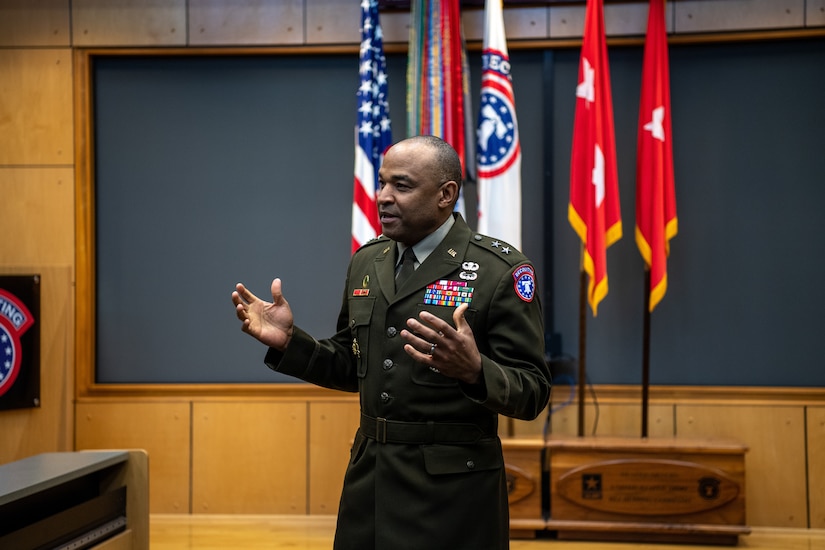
[445, 259]
[385, 269]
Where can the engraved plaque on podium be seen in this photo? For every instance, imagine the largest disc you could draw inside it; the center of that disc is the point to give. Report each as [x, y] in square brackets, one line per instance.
[663, 490]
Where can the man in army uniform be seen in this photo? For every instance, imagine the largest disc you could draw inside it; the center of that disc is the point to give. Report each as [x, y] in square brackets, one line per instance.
[435, 357]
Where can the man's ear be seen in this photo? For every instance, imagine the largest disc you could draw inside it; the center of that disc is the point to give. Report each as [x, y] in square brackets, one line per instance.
[449, 194]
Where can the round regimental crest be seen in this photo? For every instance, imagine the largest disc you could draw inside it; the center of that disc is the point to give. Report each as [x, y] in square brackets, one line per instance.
[497, 137]
[9, 358]
[15, 319]
[497, 134]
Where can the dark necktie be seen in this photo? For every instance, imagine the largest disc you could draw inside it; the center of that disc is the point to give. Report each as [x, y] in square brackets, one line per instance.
[407, 267]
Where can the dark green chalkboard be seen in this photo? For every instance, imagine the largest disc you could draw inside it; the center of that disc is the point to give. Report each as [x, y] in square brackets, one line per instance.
[215, 169]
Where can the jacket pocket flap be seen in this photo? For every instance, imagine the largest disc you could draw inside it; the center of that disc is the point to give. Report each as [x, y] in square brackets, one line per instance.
[360, 311]
[458, 459]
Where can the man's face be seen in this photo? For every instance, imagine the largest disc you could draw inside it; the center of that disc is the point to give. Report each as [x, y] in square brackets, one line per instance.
[411, 201]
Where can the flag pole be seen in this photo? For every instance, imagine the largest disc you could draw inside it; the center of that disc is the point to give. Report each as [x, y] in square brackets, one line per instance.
[646, 353]
[582, 340]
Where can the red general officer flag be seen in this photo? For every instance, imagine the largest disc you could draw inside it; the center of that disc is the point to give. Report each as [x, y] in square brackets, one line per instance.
[594, 189]
[656, 221]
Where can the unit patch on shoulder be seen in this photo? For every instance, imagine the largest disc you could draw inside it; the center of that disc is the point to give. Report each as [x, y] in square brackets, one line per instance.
[525, 282]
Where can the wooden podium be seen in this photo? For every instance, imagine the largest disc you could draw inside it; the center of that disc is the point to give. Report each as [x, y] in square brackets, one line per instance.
[622, 489]
[87, 499]
[525, 467]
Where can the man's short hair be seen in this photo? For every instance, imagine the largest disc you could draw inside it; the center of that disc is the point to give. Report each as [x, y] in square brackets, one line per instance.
[448, 165]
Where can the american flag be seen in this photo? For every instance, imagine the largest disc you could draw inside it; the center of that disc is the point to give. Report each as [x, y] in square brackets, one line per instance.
[373, 134]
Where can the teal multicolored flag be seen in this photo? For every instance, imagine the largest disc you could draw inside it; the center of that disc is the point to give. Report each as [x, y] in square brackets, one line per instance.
[437, 76]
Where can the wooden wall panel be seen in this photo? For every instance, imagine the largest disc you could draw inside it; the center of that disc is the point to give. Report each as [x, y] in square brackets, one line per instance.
[521, 23]
[816, 466]
[775, 478]
[815, 13]
[159, 428]
[249, 22]
[272, 457]
[36, 111]
[129, 23]
[620, 19]
[34, 23]
[249, 458]
[331, 22]
[396, 27]
[704, 16]
[625, 420]
[332, 427]
[614, 419]
[48, 428]
[39, 228]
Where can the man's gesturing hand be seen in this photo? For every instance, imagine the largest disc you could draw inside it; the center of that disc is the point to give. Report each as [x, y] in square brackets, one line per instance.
[450, 351]
[269, 322]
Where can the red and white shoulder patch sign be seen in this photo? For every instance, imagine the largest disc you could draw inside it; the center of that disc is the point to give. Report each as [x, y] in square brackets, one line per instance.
[525, 282]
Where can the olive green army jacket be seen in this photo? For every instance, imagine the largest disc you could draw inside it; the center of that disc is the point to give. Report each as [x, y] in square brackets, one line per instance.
[426, 469]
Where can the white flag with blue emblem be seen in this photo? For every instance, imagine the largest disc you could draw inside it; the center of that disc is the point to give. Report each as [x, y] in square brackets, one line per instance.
[498, 152]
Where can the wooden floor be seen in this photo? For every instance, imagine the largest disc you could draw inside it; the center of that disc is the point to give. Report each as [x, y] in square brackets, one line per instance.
[217, 532]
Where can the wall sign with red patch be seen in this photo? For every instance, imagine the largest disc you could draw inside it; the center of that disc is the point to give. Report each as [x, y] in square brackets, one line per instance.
[19, 341]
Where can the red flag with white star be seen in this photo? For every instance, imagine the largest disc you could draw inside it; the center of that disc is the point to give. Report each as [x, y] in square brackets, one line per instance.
[594, 186]
[656, 221]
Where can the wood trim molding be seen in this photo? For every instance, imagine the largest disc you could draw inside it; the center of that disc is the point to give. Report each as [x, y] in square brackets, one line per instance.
[702, 395]
[337, 49]
[84, 225]
[618, 41]
[285, 391]
[605, 394]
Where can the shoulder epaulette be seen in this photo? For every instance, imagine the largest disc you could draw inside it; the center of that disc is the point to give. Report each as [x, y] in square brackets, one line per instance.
[507, 252]
[374, 240]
